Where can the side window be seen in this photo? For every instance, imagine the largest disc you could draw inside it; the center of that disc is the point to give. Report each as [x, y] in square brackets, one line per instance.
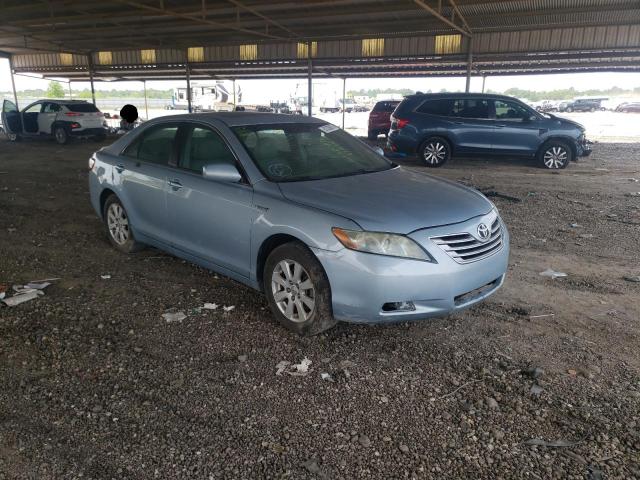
[510, 111]
[470, 108]
[155, 145]
[51, 108]
[34, 108]
[436, 107]
[202, 147]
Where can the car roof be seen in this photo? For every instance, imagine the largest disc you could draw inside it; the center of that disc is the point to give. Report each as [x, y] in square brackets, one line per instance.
[460, 95]
[58, 100]
[234, 119]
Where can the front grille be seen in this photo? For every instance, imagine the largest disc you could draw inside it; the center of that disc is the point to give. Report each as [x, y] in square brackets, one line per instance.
[465, 248]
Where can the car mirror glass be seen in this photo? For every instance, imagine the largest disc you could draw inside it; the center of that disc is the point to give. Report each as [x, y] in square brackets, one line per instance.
[221, 172]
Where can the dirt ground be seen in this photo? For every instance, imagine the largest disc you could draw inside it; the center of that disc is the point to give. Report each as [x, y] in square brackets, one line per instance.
[96, 384]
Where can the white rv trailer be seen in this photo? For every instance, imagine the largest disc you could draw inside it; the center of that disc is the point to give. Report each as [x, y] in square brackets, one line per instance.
[207, 97]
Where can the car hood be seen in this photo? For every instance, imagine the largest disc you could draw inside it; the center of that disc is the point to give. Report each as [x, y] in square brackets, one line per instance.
[395, 200]
[566, 121]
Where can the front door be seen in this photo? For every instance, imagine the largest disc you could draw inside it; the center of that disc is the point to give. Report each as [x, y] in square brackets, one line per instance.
[11, 118]
[211, 220]
[141, 172]
[517, 129]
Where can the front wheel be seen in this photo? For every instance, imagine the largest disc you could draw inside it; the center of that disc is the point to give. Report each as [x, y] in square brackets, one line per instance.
[298, 290]
[555, 155]
[569, 110]
[61, 135]
[13, 137]
[434, 152]
[118, 228]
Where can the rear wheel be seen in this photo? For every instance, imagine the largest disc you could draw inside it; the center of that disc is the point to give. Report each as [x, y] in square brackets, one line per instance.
[569, 110]
[61, 135]
[118, 227]
[434, 152]
[298, 290]
[555, 155]
[13, 137]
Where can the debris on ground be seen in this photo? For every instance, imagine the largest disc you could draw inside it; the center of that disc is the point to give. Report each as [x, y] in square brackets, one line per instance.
[534, 372]
[633, 194]
[555, 443]
[242, 358]
[297, 370]
[326, 376]
[229, 308]
[575, 225]
[494, 194]
[24, 293]
[105, 277]
[172, 317]
[210, 306]
[552, 273]
[632, 278]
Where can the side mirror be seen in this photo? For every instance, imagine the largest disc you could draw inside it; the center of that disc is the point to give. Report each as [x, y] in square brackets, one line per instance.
[221, 172]
[378, 150]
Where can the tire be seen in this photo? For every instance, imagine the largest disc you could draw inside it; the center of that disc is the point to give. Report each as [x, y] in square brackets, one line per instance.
[61, 135]
[13, 137]
[569, 110]
[310, 310]
[434, 152]
[372, 134]
[592, 109]
[555, 155]
[114, 216]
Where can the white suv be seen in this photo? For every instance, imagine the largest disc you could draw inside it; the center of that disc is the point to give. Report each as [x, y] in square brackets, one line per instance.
[59, 118]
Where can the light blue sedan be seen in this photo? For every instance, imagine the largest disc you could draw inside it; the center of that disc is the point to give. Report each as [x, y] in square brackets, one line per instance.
[323, 224]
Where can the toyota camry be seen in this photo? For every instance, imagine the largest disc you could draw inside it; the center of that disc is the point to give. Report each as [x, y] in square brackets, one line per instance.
[326, 226]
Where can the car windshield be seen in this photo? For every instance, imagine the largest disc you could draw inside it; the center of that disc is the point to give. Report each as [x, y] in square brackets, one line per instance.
[298, 151]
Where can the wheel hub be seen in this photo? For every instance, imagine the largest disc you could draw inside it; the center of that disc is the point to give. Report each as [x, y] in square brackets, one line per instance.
[293, 291]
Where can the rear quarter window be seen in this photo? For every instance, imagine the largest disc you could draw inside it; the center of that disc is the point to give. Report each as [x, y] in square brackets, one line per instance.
[441, 106]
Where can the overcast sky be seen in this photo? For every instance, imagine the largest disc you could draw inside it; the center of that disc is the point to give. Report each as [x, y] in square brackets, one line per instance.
[265, 90]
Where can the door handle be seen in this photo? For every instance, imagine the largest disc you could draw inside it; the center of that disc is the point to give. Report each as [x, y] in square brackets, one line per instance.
[120, 168]
[175, 184]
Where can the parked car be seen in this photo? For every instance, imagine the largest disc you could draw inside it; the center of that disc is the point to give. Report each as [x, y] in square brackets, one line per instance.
[61, 119]
[379, 118]
[628, 107]
[547, 106]
[584, 105]
[323, 224]
[437, 126]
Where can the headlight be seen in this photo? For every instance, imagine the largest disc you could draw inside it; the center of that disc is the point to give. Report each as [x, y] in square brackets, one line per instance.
[381, 244]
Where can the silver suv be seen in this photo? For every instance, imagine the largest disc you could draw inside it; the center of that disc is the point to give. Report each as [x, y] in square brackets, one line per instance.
[60, 118]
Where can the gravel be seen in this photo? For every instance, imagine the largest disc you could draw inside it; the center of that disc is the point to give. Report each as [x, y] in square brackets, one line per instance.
[97, 384]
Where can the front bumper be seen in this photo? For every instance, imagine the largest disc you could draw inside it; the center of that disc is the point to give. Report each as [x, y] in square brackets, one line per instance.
[583, 147]
[362, 283]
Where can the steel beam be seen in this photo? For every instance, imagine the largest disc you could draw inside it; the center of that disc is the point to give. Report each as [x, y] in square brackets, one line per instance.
[445, 20]
[13, 82]
[309, 81]
[188, 88]
[344, 96]
[264, 17]
[90, 63]
[469, 63]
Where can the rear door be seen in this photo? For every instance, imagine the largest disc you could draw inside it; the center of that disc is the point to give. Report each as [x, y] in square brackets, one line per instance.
[11, 118]
[518, 130]
[47, 117]
[211, 220]
[142, 172]
[471, 126]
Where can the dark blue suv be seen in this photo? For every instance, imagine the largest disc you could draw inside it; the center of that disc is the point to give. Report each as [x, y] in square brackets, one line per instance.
[437, 126]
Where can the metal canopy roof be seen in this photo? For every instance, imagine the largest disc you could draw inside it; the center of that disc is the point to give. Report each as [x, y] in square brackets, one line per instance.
[508, 37]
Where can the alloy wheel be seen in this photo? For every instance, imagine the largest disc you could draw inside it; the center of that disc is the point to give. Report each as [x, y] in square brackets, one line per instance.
[293, 291]
[61, 135]
[118, 223]
[435, 152]
[12, 137]
[555, 157]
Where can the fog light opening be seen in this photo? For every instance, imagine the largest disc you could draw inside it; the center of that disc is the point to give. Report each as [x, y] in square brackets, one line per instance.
[398, 307]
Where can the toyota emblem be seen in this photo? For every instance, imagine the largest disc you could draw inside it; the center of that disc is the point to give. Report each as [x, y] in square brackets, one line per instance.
[483, 232]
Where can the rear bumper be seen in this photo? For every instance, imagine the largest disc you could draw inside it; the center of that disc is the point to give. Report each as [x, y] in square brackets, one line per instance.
[88, 132]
